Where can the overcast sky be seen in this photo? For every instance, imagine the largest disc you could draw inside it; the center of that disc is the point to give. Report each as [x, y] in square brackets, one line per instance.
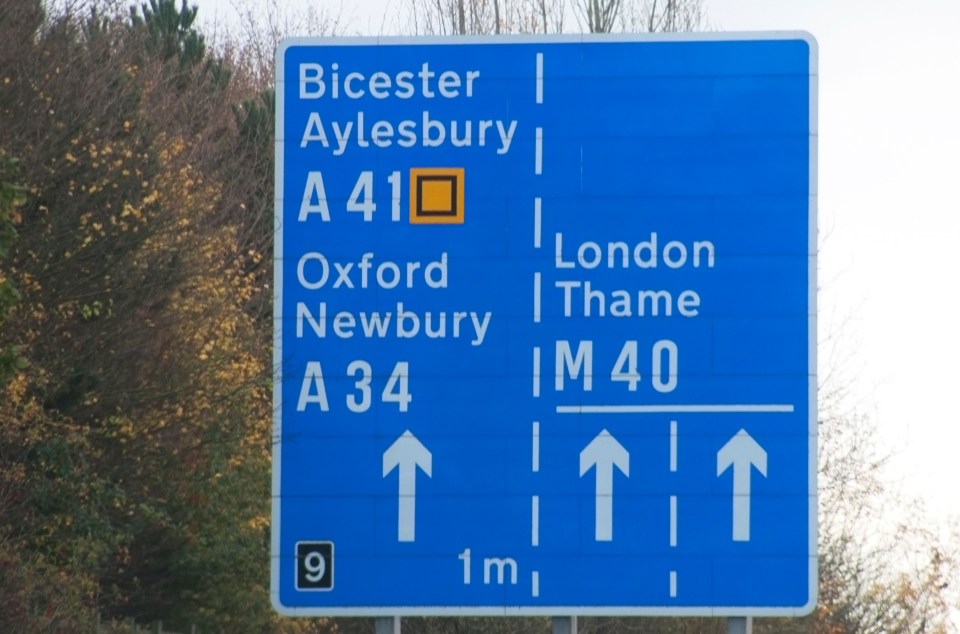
[889, 204]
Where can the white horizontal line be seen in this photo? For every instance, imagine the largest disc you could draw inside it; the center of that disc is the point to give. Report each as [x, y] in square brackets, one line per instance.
[672, 409]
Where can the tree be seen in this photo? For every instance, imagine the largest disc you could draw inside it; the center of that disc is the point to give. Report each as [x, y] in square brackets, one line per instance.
[170, 30]
[639, 16]
[493, 17]
[136, 443]
[663, 16]
[598, 16]
[11, 198]
[485, 17]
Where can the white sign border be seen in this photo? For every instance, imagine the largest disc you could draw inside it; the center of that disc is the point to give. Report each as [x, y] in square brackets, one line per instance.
[560, 610]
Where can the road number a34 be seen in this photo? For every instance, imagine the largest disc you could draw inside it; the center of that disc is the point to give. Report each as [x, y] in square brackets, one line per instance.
[396, 388]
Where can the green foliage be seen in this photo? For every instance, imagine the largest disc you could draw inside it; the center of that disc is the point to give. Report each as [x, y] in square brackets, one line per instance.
[11, 198]
[255, 118]
[135, 447]
[250, 171]
[171, 35]
[170, 30]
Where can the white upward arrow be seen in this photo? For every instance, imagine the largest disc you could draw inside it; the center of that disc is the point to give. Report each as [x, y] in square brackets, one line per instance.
[741, 452]
[407, 453]
[604, 452]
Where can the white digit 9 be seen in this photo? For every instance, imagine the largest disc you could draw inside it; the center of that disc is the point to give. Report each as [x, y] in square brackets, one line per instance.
[315, 565]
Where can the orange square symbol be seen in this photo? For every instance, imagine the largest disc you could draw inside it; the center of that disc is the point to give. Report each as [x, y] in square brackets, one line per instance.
[436, 195]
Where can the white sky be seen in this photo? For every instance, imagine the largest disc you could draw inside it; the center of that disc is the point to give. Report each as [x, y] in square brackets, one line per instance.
[889, 204]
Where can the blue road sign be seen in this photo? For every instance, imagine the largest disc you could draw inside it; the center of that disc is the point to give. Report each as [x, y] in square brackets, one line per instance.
[545, 326]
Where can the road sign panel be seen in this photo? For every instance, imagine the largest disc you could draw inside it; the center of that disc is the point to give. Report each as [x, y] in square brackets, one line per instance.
[545, 326]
